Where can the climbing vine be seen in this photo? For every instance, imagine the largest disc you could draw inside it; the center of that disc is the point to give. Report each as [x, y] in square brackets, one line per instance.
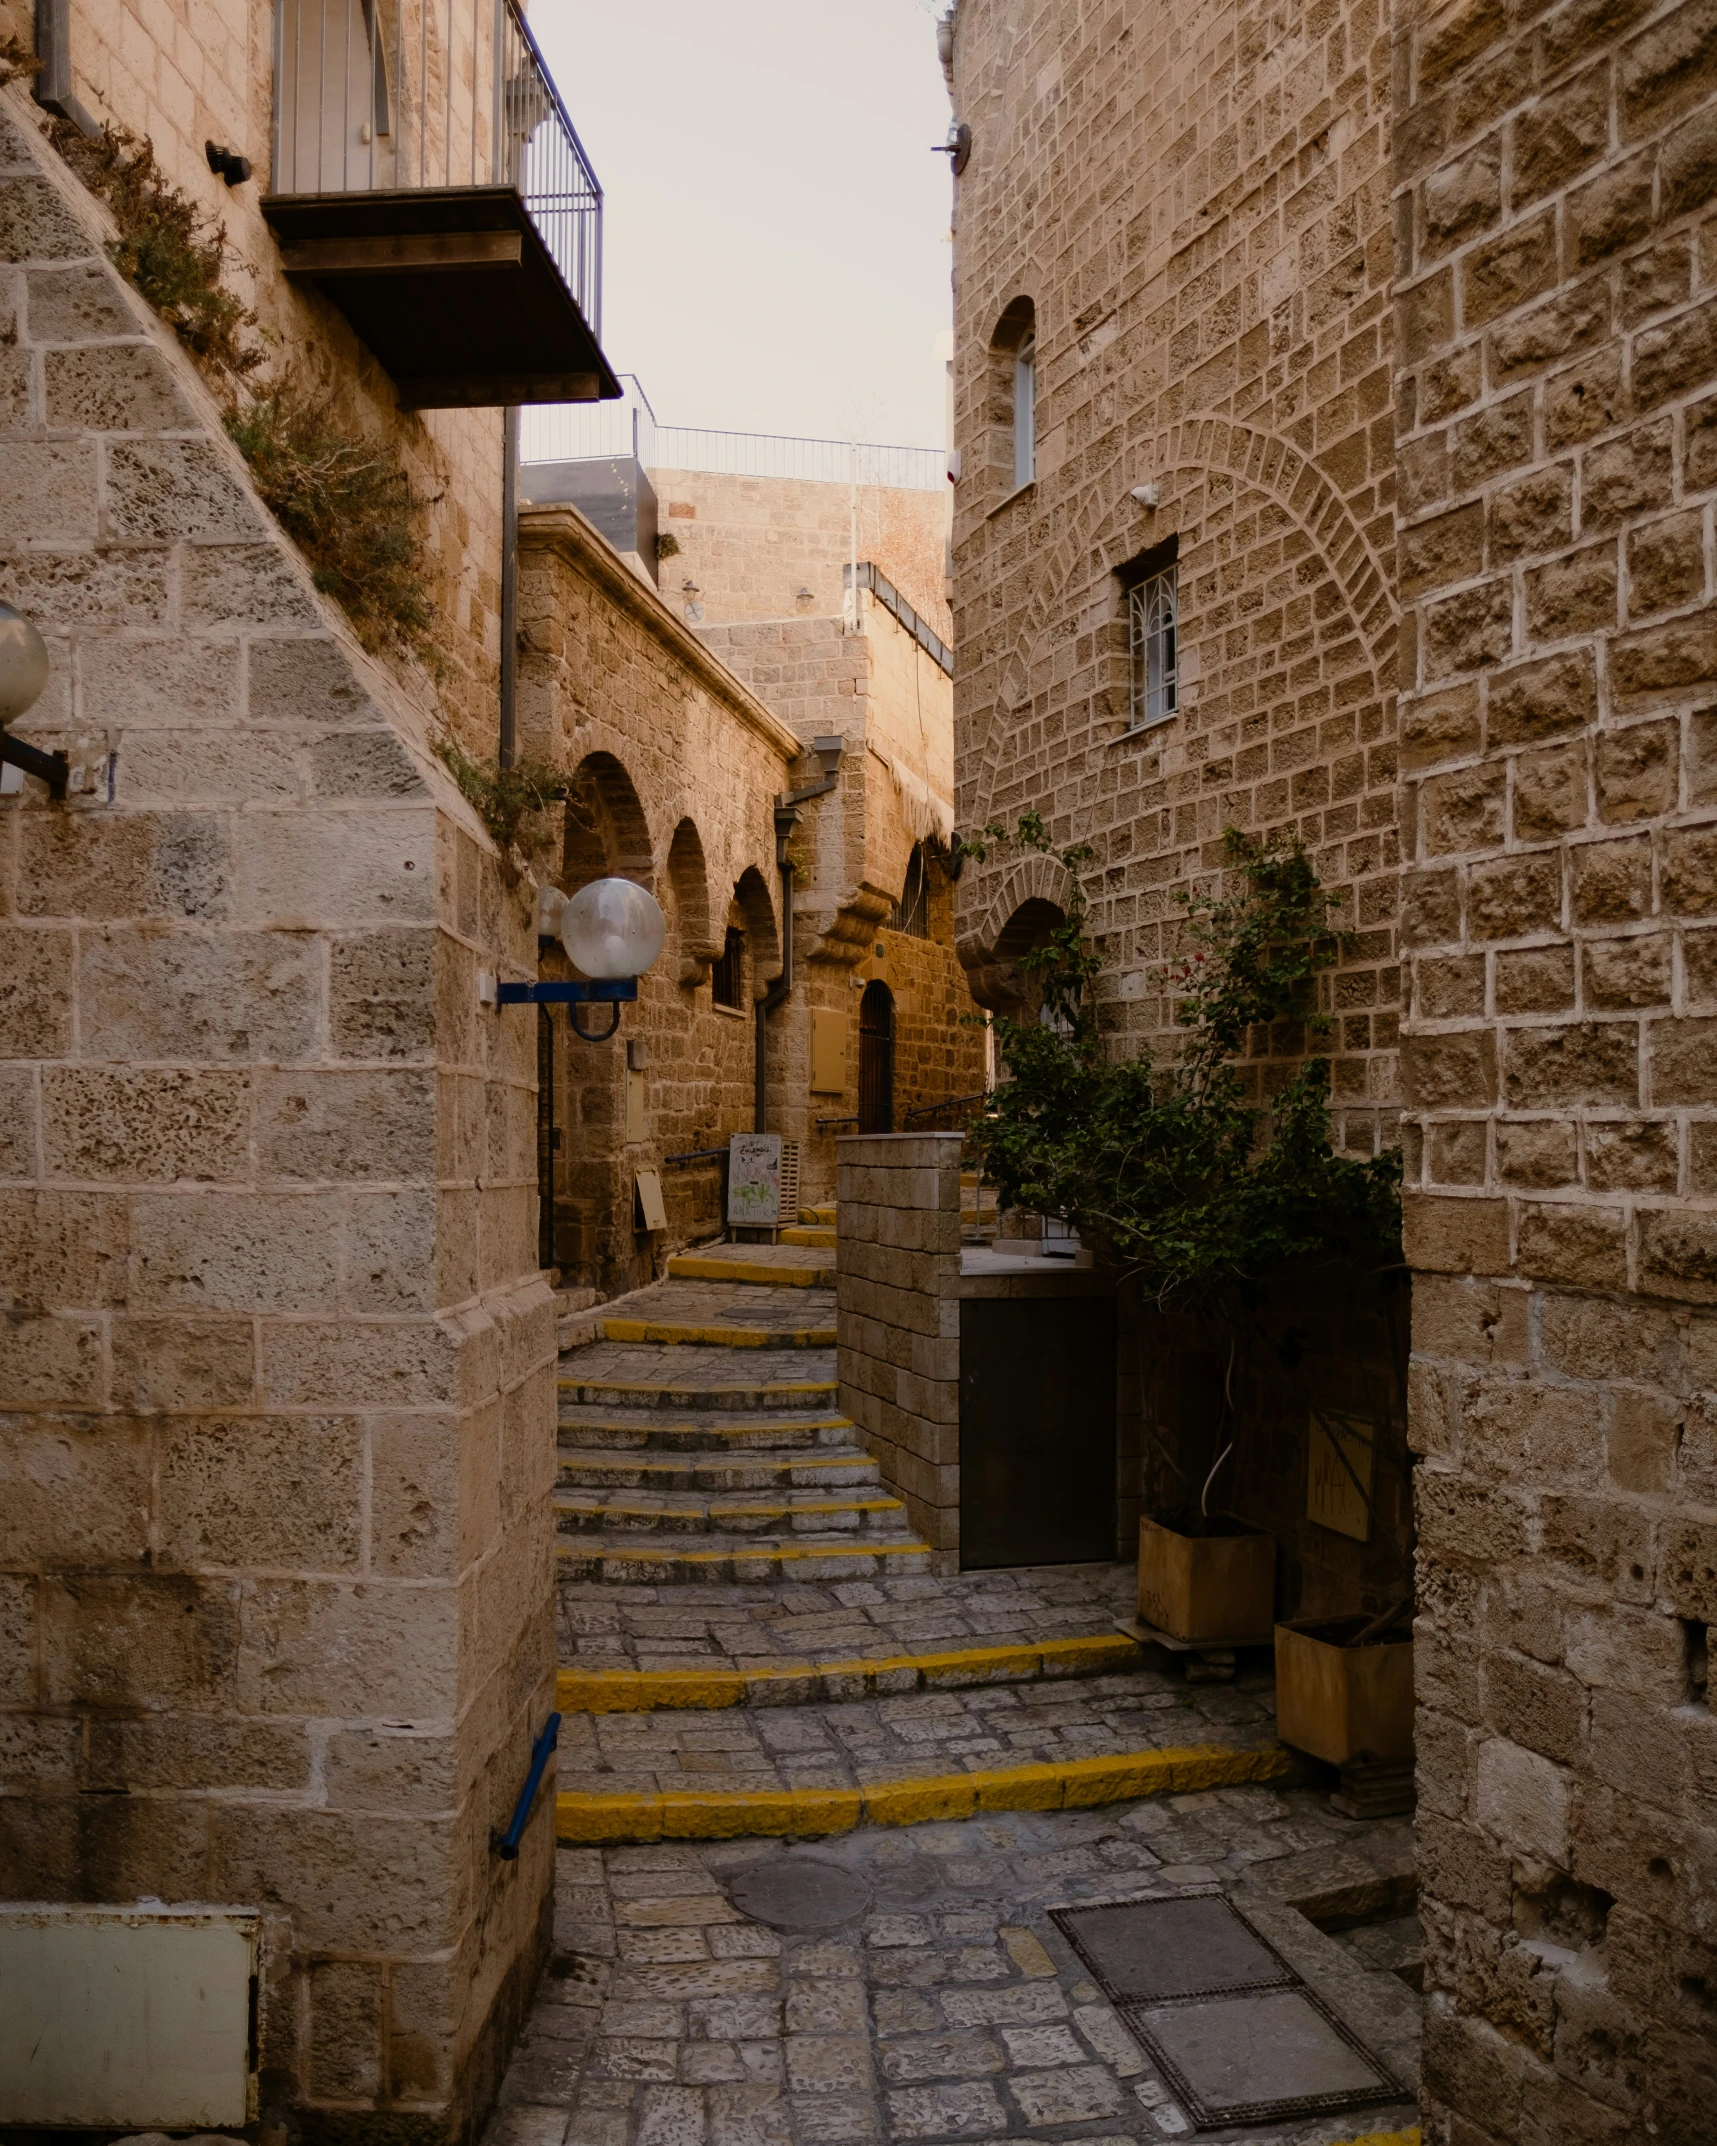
[1172, 1169]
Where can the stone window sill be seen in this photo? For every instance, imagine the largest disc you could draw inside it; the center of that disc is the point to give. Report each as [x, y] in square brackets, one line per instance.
[1018, 492]
[1143, 730]
[731, 1013]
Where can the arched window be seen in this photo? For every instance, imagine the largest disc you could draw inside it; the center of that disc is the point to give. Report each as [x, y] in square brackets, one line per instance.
[1152, 590]
[912, 911]
[1013, 396]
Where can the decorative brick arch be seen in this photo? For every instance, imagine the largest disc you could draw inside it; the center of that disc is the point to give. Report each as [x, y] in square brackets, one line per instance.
[1101, 531]
[1028, 879]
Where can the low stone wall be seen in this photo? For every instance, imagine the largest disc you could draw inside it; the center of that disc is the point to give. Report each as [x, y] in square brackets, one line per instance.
[897, 1318]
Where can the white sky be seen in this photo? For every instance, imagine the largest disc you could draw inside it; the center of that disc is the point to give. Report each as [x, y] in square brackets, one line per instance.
[775, 249]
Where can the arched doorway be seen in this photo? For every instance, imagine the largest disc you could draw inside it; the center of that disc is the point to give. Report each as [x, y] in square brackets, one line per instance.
[876, 1059]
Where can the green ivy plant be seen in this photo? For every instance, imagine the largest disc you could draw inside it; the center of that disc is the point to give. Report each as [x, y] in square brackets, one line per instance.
[1171, 1170]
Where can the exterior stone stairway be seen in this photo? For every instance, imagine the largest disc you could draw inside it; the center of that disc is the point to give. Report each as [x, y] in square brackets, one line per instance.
[751, 1638]
[699, 1438]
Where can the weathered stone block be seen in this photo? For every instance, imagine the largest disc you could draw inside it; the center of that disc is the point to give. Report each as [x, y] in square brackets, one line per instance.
[262, 1491]
[158, 1122]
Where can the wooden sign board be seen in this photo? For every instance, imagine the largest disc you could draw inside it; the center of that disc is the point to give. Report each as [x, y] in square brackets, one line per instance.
[754, 1180]
[1341, 1460]
[652, 1209]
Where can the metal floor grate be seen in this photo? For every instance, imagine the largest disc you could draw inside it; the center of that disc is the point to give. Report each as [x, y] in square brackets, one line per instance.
[1228, 2023]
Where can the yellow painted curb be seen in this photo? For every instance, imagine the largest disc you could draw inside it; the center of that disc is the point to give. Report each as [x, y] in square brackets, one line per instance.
[672, 1334]
[721, 1517]
[687, 1267]
[782, 1391]
[1385, 2138]
[681, 1814]
[817, 1235]
[790, 1459]
[641, 1691]
[858, 1547]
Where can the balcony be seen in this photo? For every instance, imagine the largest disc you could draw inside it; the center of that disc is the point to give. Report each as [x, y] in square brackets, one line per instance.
[426, 178]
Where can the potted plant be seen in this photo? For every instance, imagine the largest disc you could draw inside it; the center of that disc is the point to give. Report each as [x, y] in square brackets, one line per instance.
[1212, 1578]
[1344, 1686]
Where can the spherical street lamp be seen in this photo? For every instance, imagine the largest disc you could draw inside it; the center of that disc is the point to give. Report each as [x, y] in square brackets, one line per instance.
[23, 676]
[612, 928]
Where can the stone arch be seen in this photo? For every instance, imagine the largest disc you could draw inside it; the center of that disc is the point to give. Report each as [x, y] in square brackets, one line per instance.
[688, 882]
[1029, 902]
[607, 834]
[757, 920]
[1102, 530]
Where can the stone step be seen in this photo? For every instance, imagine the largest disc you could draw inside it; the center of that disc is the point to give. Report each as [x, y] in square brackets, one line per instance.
[860, 1513]
[644, 1375]
[762, 1468]
[806, 1234]
[639, 1430]
[713, 1267]
[717, 1334]
[715, 1560]
[815, 1217]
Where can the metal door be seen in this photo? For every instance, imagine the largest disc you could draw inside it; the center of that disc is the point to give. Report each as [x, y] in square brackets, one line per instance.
[1037, 1430]
[876, 1059]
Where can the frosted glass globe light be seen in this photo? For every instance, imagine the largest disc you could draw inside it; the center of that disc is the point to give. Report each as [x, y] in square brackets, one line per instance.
[23, 664]
[612, 929]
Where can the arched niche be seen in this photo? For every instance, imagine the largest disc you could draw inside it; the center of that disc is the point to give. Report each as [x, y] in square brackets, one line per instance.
[607, 835]
[697, 945]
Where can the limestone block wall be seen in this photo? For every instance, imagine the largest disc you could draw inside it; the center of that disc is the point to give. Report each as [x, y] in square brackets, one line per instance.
[897, 1318]
[763, 548]
[276, 1370]
[1555, 318]
[679, 768]
[1209, 276]
[186, 72]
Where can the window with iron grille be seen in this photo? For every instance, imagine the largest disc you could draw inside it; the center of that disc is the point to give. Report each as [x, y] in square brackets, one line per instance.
[727, 976]
[912, 911]
[1025, 413]
[1152, 606]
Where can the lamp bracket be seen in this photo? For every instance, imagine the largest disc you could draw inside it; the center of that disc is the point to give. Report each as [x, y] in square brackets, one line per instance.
[609, 991]
[53, 768]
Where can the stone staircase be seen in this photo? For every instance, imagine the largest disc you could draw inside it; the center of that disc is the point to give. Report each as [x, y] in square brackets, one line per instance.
[700, 1439]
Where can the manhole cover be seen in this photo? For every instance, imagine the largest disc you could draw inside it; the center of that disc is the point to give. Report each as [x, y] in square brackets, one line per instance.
[799, 1893]
[1261, 2057]
[1149, 1950]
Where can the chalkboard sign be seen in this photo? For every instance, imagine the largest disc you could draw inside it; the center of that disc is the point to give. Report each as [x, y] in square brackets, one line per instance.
[754, 1180]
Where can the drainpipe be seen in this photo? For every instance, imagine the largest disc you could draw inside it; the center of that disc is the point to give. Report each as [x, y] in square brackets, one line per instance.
[53, 88]
[828, 751]
[509, 583]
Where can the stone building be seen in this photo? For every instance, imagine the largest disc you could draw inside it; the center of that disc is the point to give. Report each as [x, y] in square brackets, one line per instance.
[696, 708]
[1373, 356]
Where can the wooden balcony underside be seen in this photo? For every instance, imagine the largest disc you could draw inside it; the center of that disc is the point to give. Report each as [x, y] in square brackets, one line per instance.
[453, 290]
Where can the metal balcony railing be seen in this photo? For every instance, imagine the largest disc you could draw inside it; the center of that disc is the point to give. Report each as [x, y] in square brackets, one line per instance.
[390, 96]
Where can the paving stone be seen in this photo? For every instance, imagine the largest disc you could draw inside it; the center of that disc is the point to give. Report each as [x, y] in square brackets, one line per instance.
[1077, 2095]
[969, 2111]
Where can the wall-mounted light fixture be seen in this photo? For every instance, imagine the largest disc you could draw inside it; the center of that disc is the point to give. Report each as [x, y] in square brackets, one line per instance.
[1145, 494]
[23, 675]
[612, 930]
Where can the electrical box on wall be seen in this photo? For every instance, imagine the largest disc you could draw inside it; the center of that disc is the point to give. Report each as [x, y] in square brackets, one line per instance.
[135, 2017]
[828, 1052]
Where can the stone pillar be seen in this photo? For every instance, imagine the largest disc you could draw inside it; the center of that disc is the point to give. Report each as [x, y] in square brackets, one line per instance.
[1557, 344]
[276, 1365]
[897, 1286]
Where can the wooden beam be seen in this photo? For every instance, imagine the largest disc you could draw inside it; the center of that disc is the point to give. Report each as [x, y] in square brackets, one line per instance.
[401, 253]
[476, 391]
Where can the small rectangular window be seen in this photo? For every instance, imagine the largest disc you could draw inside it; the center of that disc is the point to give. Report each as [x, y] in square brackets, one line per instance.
[727, 976]
[1025, 413]
[1152, 607]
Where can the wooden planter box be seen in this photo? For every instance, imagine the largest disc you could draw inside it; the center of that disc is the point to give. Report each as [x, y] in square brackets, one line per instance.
[1220, 1588]
[1337, 1701]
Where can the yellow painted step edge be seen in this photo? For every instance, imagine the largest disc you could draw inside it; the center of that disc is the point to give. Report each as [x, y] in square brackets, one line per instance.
[670, 1331]
[857, 1547]
[687, 1267]
[1070, 1784]
[1385, 2138]
[791, 1386]
[568, 1501]
[641, 1691]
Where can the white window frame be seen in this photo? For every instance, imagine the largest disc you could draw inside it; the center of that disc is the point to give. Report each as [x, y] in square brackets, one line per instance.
[1025, 414]
[1153, 651]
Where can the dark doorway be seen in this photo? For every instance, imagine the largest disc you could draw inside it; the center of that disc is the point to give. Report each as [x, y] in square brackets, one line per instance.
[876, 1059]
[1037, 1430]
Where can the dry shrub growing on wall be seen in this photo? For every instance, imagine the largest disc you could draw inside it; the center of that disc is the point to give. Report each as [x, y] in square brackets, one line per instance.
[345, 500]
[15, 60]
[166, 246]
[349, 505]
[508, 800]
